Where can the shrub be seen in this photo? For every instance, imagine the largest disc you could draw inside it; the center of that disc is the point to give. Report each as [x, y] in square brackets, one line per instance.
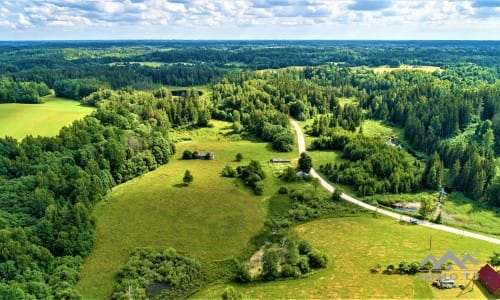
[242, 273]
[270, 266]
[283, 190]
[317, 259]
[289, 271]
[187, 154]
[228, 171]
[230, 294]
[304, 247]
[259, 188]
[304, 265]
[239, 157]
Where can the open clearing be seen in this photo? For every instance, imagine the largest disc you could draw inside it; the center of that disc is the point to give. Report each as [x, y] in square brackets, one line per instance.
[382, 69]
[354, 246]
[19, 120]
[213, 218]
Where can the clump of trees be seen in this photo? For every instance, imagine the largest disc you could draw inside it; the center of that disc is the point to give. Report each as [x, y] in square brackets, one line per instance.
[180, 276]
[251, 175]
[293, 259]
[372, 167]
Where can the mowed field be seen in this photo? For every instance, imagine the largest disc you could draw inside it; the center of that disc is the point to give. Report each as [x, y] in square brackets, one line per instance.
[354, 246]
[18, 120]
[213, 218]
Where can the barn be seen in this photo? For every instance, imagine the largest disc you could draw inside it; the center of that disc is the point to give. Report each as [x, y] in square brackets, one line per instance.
[490, 279]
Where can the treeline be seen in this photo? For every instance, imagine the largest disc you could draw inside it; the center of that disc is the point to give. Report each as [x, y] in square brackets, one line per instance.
[49, 185]
[21, 92]
[76, 69]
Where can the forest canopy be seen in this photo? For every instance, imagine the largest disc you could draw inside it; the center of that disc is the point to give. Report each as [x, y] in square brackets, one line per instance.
[50, 185]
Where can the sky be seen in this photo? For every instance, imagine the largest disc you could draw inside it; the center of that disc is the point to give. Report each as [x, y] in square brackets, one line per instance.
[250, 19]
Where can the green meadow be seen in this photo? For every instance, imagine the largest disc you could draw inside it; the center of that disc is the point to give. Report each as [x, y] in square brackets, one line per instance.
[18, 120]
[383, 69]
[354, 246]
[212, 219]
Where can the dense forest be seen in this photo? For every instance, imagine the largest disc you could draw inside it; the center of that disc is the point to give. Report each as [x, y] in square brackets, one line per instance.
[49, 185]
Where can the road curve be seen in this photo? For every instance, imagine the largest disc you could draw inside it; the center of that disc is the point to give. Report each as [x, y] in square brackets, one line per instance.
[302, 148]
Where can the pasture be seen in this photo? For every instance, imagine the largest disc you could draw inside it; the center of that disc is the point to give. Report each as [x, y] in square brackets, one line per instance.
[19, 120]
[351, 257]
[213, 218]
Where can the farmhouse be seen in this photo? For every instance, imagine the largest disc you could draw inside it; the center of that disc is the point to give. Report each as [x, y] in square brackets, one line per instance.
[206, 155]
[280, 160]
[490, 278]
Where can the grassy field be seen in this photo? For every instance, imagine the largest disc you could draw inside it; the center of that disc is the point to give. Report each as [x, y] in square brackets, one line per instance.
[18, 120]
[382, 69]
[351, 256]
[463, 212]
[214, 218]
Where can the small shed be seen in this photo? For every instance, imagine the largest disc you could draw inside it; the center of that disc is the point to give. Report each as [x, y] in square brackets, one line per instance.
[490, 278]
[280, 160]
[206, 155]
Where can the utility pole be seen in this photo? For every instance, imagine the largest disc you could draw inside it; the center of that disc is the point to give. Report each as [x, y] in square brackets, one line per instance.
[430, 242]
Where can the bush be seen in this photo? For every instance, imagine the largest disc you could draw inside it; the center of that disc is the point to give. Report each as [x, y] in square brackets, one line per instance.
[187, 154]
[317, 259]
[270, 266]
[305, 247]
[230, 294]
[259, 188]
[283, 190]
[304, 265]
[242, 273]
[228, 171]
[289, 271]
[336, 195]
[239, 157]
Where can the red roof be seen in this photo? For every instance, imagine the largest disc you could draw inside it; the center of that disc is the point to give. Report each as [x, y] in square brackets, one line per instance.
[490, 278]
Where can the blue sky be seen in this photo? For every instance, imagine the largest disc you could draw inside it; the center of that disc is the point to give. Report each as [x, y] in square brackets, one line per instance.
[249, 19]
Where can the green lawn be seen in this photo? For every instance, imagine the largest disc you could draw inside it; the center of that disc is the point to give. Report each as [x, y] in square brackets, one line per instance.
[18, 120]
[354, 246]
[213, 219]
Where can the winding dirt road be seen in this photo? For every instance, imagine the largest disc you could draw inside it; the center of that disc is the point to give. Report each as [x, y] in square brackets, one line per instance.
[329, 187]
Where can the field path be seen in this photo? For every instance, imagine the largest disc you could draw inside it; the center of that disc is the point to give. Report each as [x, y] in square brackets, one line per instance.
[302, 148]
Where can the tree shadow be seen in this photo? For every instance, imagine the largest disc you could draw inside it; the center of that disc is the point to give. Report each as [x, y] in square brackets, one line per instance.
[180, 185]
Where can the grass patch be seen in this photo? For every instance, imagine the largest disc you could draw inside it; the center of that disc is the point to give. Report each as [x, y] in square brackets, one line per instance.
[354, 246]
[386, 68]
[214, 218]
[462, 212]
[19, 120]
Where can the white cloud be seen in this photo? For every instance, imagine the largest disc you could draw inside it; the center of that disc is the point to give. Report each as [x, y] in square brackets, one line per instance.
[23, 20]
[223, 18]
